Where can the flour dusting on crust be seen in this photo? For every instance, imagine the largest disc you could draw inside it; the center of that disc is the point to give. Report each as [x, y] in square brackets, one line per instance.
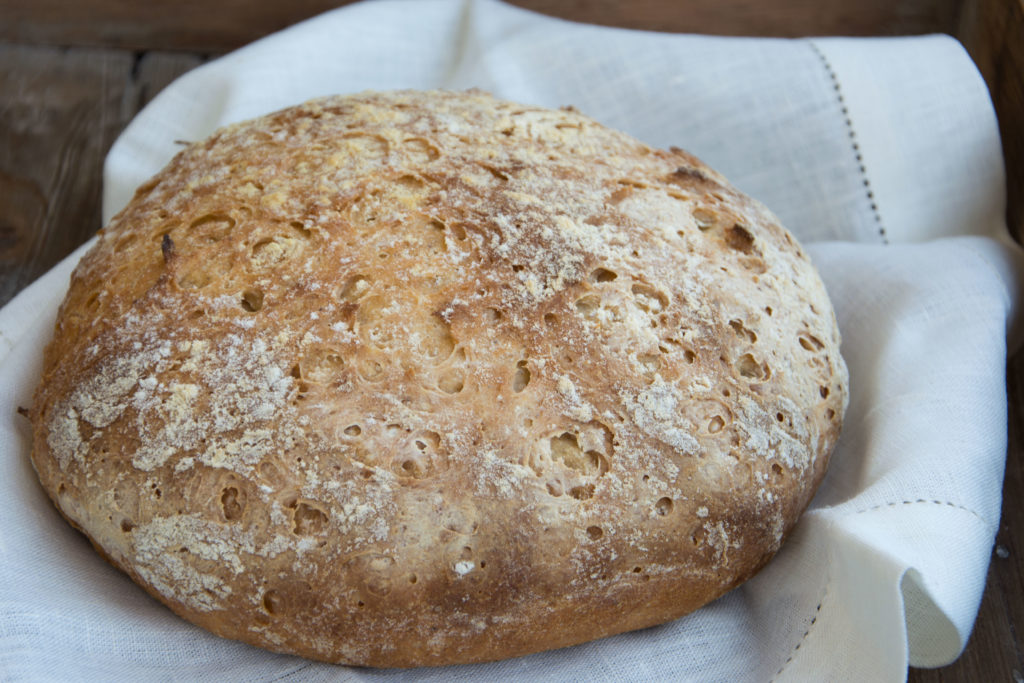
[414, 378]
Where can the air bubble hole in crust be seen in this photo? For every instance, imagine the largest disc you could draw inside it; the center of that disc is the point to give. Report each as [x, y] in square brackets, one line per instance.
[416, 464]
[742, 331]
[582, 492]
[740, 239]
[664, 506]
[436, 341]
[369, 369]
[716, 424]
[321, 364]
[353, 430]
[521, 377]
[269, 252]
[755, 265]
[302, 230]
[587, 305]
[354, 287]
[596, 463]
[252, 300]
[458, 230]
[704, 219]
[566, 450]
[410, 183]
[648, 298]
[367, 147]
[823, 390]
[198, 276]
[300, 384]
[427, 437]
[212, 227]
[232, 503]
[595, 533]
[496, 172]
[811, 343]
[272, 603]
[308, 520]
[749, 368]
[600, 275]
[451, 382]
[420, 151]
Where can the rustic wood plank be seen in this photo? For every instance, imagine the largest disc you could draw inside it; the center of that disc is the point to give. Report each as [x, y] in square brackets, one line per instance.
[156, 70]
[760, 18]
[205, 27]
[60, 111]
[993, 33]
[225, 25]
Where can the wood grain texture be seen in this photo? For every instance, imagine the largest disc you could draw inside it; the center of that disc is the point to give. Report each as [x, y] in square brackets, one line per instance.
[759, 18]
[60, 111]
[993, 33]
[215, 27]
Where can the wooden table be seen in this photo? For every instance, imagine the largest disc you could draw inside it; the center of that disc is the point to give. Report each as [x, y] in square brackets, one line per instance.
[72, 74]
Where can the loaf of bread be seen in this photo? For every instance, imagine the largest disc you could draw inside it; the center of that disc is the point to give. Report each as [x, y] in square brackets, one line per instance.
[421, 378]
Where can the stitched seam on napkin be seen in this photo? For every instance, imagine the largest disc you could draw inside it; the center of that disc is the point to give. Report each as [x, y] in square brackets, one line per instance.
[810, 627]
[917, 501]
[289, 674]
[853, 139]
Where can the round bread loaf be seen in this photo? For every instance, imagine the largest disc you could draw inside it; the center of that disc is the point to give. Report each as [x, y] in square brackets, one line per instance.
[419, 378]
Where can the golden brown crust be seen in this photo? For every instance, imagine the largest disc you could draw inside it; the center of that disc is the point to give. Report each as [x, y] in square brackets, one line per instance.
[421, 378]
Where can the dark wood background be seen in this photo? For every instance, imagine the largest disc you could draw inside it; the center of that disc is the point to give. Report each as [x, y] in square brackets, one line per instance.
[72, 74]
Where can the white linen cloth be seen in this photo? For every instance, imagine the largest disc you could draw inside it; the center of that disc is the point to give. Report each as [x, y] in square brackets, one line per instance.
[881, 155]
